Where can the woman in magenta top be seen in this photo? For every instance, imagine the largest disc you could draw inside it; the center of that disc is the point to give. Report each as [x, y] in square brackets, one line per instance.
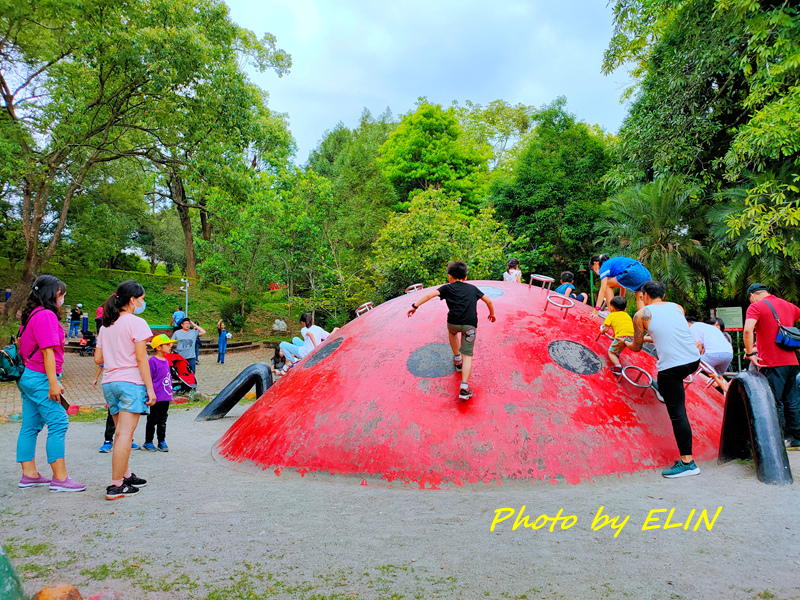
[127, 385]
[41, 346]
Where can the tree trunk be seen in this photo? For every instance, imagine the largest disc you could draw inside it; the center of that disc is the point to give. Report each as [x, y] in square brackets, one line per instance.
[178, 194]
[205, 223]
[21, 292]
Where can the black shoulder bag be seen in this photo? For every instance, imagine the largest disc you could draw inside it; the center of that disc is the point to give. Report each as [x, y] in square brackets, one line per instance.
[788, 338]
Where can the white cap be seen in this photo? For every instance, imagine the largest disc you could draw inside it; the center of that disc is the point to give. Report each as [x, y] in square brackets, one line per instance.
[80, 305]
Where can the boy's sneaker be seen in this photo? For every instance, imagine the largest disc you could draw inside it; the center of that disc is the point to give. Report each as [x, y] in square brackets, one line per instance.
[133, 480]
[68, 485]
[115, 492]
[791, 444]
[135, 446]
[29, 482]
[106, 447]
[616, 370]
[681, 469]
[654, 386]
[458, 365]
[162, 447]
[150, 447]
[464, 393]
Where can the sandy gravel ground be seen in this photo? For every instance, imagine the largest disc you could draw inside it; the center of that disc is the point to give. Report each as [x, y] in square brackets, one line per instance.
[202, 529]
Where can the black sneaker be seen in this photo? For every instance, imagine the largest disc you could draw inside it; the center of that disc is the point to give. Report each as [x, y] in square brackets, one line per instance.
[115, 492]
[464, 393]
[458, 366]
[133, 480]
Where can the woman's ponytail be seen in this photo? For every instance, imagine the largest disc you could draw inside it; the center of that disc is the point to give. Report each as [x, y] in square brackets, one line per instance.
[119, 300]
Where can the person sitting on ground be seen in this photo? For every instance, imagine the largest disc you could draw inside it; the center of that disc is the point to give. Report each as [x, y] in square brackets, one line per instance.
[618, 272]
[512, 273]
[278, 362]
[567, 288]
[622, 325]
[313, 336]
[462, 318]
[714, 349]
[678, 357]
[187, 339]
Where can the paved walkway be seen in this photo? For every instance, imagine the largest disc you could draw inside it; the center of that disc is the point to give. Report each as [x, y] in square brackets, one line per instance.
[79, 374]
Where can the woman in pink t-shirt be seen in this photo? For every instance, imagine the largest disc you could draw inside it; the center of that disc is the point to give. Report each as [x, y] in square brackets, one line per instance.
[127, 385]
[41, 346]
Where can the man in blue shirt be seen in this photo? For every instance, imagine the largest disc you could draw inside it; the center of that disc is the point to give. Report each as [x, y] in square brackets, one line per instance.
[177, 317]
[618, 272]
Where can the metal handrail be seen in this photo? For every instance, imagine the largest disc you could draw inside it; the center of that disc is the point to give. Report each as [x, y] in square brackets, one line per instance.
[366, 307]
[544, 279]
[551, 299]
[640, 371]
[414, 288]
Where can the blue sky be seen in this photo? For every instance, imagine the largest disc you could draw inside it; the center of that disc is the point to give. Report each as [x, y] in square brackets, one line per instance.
[351, 55]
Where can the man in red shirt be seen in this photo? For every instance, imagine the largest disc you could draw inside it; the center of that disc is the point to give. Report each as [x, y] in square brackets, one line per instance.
[779, 366]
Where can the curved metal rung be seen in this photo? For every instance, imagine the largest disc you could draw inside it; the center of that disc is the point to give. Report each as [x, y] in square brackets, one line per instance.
[635, 383]
[366, 307]
[608, 335]
[544, 279]
[414, 288]
[551, 299]
[688, 381]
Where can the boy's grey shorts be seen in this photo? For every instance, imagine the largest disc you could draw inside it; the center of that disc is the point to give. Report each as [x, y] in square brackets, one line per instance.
[468, 333]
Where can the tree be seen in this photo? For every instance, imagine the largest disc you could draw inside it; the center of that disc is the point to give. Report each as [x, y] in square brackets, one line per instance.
[690, 93]
[428, 150]
[554, 194]
[499, 125]
[415, 247]
[365, 197]
[659, 225]
[85, 83]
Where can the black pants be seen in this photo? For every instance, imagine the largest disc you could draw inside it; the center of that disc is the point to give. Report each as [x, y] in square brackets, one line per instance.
[98, 323]
[156, 420]
[786, 387]
[670, 385]
[110, 429]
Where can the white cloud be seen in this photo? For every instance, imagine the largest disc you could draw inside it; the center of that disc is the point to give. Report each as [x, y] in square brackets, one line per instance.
[351, 55]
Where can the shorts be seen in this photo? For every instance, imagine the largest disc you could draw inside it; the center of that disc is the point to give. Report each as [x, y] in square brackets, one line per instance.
[126, 397]
[468, 333]
[634, 277]
[618, 345]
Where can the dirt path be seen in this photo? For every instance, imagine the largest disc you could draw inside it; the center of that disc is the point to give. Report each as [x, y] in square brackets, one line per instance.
[201, 529]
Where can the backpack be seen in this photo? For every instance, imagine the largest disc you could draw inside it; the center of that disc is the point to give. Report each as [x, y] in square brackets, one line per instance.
[11, 365]
[788, 338]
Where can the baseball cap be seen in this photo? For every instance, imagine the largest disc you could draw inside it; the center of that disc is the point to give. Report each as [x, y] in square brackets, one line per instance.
[80, 305]
[756, 287]
[161, 339]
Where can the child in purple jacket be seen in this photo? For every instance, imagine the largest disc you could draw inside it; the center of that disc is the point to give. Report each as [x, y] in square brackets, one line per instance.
[162, 384]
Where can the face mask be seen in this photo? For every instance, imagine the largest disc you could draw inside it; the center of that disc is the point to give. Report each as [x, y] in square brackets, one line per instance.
[59, 301]
[140, 309]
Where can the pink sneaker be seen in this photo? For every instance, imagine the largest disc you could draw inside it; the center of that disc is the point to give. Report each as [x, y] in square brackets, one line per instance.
[28, 482]
[68, 485]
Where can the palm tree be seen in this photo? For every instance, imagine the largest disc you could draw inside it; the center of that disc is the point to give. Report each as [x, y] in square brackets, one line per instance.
[660, 224]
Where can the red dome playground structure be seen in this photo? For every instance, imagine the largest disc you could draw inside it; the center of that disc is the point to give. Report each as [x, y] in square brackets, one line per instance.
[379, 397]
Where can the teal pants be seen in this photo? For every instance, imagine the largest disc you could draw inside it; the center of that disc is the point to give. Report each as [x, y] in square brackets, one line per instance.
[37, 411]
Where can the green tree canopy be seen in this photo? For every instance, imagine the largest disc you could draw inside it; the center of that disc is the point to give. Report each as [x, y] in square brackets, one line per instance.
[555, 194]
[415, 247]
[428, 150]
